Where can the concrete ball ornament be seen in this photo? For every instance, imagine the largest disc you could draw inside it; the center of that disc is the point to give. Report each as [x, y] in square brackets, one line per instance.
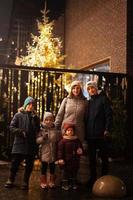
[109, 186]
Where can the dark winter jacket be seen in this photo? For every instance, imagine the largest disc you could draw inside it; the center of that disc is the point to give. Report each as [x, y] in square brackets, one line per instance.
[99, 118]
[24, 126]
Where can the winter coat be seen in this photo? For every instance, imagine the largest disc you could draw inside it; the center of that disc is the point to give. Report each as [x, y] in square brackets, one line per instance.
[67, 150]
[73, 110]
[47, 138]
[24, 126]
[99, 117]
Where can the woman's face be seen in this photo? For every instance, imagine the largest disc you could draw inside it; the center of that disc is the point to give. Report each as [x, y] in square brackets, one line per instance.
[76, 90]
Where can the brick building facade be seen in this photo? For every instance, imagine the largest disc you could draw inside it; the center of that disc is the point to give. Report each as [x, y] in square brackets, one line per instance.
[95, 31]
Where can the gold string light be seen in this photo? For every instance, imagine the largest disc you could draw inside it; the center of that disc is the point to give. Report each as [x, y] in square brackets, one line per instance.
[45, 50]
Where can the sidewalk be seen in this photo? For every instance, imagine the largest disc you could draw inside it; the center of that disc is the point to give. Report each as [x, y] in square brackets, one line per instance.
[120, 169]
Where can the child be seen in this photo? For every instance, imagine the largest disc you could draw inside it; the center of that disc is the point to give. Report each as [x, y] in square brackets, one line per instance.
[47, 139]
[69, 151]
[25, 125]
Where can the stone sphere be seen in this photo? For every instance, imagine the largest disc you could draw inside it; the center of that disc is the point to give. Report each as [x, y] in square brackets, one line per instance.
[109, 186]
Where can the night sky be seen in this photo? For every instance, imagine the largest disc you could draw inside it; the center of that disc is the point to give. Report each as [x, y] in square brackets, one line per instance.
[13, 9]
[56, 8]
[5, 12]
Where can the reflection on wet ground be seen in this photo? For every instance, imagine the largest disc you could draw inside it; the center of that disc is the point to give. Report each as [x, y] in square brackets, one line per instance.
[120, 168]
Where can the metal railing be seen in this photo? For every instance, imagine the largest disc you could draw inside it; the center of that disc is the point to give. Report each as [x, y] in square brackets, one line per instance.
[48, 86]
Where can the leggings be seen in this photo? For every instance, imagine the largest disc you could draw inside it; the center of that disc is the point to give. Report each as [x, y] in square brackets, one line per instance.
[44, 167]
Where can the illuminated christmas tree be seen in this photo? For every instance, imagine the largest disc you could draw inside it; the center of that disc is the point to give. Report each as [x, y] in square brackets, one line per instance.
[45, 50]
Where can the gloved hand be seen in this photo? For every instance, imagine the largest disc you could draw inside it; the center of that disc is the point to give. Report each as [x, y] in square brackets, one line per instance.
[60, 162]
[107, 135]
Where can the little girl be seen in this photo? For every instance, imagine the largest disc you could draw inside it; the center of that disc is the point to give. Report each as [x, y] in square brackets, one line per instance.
[69, 151]
[47, 138]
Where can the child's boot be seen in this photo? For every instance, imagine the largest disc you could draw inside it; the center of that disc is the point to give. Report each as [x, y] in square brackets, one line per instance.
[65, 185]
[74, 184]
[43, 183]
[10, 181]
[25, 186]
[52, 181]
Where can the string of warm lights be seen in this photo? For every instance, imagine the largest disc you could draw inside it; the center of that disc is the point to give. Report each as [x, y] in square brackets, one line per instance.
[45, 50]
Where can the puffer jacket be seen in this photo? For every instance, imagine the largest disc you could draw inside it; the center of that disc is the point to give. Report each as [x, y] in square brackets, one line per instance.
[47, 139]
[73, 110]
[24, 126]
[99, 118]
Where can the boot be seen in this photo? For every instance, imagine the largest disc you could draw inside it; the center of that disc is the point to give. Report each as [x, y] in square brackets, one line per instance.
[25, 186]
[9, 183]
[43, 183]
[65, 185]
[52, 181]
[74, 184]
[91, 183]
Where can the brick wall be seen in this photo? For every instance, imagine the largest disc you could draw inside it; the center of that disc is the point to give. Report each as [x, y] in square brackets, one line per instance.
[96, 30]
[59, 31]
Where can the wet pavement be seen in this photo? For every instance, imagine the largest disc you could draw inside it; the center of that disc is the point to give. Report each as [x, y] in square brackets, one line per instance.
[118, 168]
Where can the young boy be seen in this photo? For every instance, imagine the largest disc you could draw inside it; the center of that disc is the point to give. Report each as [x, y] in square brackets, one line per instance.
[47, 138]
[98, 125]
[24, 125]
[69, 151]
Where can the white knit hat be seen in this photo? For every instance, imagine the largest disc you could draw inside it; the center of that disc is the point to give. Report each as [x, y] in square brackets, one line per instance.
[47, 114]
[74, 83]
[92, 83]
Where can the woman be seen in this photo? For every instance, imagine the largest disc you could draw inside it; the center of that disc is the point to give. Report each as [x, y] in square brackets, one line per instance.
[73, 108]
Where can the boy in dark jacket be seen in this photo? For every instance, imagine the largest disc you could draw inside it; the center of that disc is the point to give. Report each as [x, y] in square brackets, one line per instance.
[69, 151]
[24, 125]
[98, 126]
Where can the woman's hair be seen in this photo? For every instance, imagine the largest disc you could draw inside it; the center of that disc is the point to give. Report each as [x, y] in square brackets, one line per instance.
[81, 95]
[73, 84]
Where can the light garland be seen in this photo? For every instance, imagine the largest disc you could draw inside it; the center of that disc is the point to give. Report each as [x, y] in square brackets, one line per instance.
[45, 50]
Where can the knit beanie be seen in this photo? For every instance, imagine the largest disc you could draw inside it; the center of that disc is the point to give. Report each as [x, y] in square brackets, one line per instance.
[28, 100]
[92, 84]
[47, 114]
[68, 125]
[74, 83]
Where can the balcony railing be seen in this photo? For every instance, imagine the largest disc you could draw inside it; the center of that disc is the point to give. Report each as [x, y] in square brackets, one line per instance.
[48, 86]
